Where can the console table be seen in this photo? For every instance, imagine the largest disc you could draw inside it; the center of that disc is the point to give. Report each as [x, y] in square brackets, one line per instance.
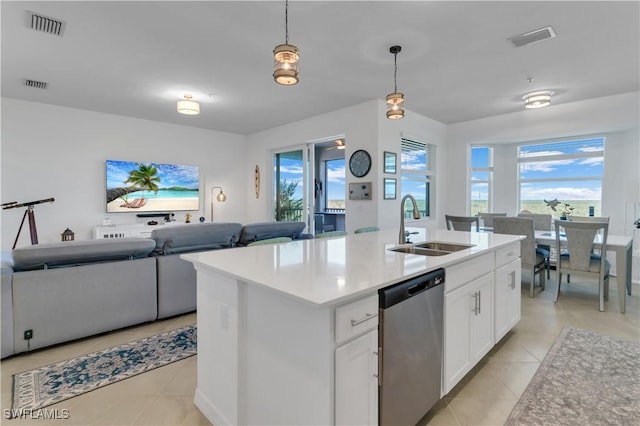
[138, 230]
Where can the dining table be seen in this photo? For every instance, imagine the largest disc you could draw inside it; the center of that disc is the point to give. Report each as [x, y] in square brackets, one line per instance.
[621, 245]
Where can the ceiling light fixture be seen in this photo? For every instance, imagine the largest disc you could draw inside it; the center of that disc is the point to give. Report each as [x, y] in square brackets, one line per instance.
[286, 56]
[395, 100]
[188, 107]
[538, 99]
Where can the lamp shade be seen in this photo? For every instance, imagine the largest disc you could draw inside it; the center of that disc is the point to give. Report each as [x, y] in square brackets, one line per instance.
[394, 106]
[188, 107]
[537, 99]
[285, 64]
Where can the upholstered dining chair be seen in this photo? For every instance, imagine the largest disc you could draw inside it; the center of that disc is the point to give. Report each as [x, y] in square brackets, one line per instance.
[542, 222]
[487, 218]
[532, 261]
[331, 234]
[579, 258]
[572, 218]
[462, 223]
[267, 241]
[366, 229]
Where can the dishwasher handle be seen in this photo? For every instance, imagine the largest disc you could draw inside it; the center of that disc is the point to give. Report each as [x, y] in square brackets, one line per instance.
[396, 293]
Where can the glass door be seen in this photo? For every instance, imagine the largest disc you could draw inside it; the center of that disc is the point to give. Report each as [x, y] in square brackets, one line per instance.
[292, 185]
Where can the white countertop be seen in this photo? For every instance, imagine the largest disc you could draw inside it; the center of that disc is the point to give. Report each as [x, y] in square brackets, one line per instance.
[330, 271]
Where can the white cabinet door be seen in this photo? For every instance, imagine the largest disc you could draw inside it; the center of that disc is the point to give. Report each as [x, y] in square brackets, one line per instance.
[481, 324]
[468, 328]
[507, 301]
[457, 310]
[357, 381]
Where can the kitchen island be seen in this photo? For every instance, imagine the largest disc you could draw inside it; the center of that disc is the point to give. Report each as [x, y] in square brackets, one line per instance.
[287, 333]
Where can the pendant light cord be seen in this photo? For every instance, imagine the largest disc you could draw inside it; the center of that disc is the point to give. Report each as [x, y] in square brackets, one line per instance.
[395, 72]
[286, 22]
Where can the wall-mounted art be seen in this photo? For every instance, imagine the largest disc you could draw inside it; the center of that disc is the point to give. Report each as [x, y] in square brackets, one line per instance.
[360, 191]
[390, 162]
[389, 189]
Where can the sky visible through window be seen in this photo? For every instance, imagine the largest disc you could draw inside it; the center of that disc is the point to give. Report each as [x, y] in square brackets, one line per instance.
[568, 171]
[335, 183]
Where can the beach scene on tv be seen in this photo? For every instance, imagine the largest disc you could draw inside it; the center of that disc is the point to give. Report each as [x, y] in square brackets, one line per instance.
[151, 187]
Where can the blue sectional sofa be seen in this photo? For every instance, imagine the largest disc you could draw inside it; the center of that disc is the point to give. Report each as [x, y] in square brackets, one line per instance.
[65, 291]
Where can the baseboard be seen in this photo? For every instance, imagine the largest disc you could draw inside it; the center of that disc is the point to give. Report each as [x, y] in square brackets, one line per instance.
[209, 410]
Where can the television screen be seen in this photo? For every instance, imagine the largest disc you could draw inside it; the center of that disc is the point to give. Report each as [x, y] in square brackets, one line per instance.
[134, 187]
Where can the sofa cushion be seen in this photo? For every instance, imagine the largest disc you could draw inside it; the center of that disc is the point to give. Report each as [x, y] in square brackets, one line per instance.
[263, 230]
[195, 237]
[71, 253]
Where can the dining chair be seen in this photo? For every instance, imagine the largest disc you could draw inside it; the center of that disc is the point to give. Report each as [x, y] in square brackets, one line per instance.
[572, 218]
[267, 241]
[366, 229]
[487, 218]
[532, 260]
[579, 258]
[541, 222]
[331, 234]
[462, 223]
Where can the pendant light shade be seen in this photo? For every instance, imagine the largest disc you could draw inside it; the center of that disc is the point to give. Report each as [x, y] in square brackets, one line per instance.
[286, 56]
[395, 100]
[285, 64]
[188, 107]
[537, 99]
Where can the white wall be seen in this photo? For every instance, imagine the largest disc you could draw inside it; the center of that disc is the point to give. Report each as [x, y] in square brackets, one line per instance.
[50, 151]
[614, 117]
[363, 126]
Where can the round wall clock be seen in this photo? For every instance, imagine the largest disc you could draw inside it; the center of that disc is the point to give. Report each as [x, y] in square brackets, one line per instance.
[360, 163]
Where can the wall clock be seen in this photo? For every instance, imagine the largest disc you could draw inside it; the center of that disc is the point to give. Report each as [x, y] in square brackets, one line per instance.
[360, 163]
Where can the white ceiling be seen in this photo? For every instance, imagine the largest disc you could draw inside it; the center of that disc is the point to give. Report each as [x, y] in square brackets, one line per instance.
[138, 58]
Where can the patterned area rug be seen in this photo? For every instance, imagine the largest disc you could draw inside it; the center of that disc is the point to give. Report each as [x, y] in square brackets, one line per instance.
[585, 379]
[56, 382]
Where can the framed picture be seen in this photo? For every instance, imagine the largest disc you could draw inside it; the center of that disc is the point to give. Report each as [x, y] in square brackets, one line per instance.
[390, 162]
[389, 189]
[360, 191]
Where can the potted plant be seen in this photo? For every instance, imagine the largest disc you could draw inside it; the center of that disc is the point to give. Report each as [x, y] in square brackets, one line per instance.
[563, 208]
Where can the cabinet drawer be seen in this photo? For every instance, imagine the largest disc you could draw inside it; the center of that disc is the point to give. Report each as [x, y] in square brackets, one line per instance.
[466, 271]
[507, 254]
[356, 318]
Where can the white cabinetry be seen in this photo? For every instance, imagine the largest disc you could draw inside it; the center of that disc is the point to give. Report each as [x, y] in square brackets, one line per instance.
[356, 363]
[129, 231]
[507, 290]
[468, 327]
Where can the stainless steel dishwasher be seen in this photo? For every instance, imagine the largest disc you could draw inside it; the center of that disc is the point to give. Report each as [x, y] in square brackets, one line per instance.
[410, 356]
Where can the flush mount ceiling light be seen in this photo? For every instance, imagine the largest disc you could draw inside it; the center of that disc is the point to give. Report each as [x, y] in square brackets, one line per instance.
[395, 100]
[286, 56]
[538, 99]
[188, 107]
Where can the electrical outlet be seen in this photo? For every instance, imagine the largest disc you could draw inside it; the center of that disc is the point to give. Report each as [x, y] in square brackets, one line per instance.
[28, 334]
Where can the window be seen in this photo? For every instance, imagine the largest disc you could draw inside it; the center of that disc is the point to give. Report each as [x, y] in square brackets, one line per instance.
[335, 189]
[481, 179]
[570, 171]
[417, 174]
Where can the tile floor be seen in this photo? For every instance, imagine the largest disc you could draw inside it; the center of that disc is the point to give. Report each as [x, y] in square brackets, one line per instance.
[484, 397]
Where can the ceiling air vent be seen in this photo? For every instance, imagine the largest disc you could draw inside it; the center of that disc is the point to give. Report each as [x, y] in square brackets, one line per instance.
[35, 84]
[533, 36]
[42, 23]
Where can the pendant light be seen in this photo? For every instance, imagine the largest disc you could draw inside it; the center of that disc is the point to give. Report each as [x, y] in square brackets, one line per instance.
[188, 107]
[286, 56]
[395, 100]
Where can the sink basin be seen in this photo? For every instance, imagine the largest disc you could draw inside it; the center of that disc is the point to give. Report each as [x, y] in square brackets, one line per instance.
[432, 248]
[420, 250]
[448, 247]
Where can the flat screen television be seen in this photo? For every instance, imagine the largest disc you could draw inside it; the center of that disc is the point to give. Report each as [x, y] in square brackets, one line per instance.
[134, 187]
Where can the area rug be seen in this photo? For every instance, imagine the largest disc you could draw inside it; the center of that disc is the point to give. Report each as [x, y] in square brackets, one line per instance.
[585, 379]
[43, 386]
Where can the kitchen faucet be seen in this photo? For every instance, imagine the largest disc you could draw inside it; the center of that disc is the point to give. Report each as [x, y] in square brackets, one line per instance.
[416, 215]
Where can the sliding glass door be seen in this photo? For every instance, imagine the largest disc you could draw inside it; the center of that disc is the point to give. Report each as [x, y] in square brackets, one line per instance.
[292, 185]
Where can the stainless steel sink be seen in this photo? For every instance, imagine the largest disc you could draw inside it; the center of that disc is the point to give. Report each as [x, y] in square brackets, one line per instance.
[419, 250]
[448, 247]
[432, 248]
